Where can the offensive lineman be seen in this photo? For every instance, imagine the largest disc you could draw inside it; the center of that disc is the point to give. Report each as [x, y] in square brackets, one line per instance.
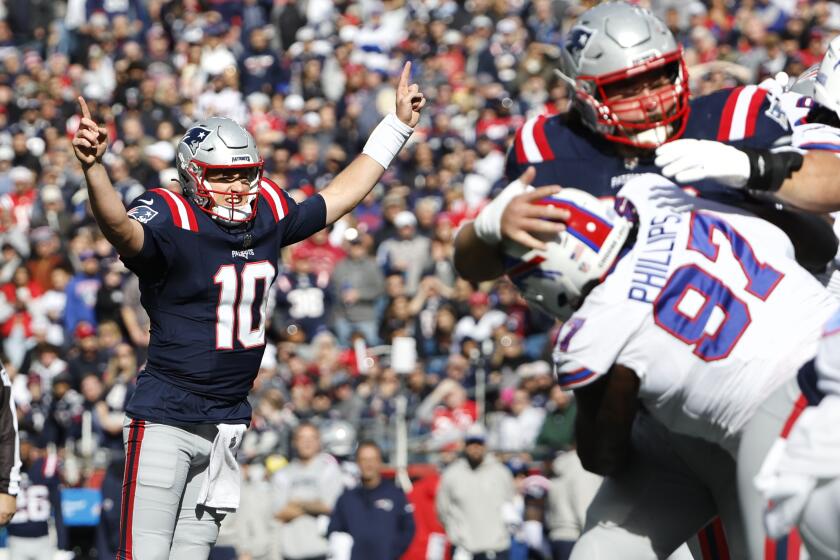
[206, 260]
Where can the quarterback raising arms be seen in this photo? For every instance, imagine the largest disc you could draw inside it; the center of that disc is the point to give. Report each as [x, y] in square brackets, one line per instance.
[206, 255]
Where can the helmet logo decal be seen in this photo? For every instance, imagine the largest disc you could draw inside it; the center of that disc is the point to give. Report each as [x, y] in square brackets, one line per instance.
[194, 137]
[245, 158]
[577, 41]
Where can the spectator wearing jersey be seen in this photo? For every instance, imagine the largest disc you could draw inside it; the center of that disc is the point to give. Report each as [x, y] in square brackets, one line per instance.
[39, 499]
[482, 320]
[476, 494]
[358, 283]
[304, 495]
[304, 298]
[376, 514]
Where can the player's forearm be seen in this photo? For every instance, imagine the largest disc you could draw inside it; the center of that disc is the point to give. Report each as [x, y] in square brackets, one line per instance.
[123, 233]
[351, 186]
[474, 259]
[816, 185]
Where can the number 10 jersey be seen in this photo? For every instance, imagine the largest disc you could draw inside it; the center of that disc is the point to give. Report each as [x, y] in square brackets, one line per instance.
[205, 287]
[708, 307]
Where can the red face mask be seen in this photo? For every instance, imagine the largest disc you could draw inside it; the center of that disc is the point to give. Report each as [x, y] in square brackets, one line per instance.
[642, 106]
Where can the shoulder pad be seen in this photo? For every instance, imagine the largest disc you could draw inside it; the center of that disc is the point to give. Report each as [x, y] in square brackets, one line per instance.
[275, 197]
[531, 144]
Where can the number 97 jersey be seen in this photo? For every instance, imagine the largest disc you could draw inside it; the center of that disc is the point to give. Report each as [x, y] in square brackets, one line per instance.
[205, 287]
[708, 307]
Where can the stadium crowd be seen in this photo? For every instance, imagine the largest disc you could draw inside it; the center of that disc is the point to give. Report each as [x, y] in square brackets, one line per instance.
[369, 316]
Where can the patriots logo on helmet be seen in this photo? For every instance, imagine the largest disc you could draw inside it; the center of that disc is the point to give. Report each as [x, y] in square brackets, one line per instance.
[194, 137]
[577, 40]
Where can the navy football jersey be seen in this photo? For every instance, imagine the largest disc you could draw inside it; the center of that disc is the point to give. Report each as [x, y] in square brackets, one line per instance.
[304, 299]
[205, 288]
[39, 499]
[566, 153]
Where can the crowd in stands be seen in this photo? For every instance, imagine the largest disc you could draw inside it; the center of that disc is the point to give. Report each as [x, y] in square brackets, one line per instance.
[369, 318]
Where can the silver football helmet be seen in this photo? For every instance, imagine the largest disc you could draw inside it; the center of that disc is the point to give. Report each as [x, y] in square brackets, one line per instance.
[608, 50]
[339, 438]
[213, 144]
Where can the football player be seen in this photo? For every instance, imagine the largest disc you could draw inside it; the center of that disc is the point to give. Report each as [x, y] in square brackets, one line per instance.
[630, 95]
[812, 107]
[207, 257]
[678, 311]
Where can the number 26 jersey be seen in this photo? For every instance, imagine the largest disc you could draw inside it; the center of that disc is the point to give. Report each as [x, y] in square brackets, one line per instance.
[708, 307]
[205, 288]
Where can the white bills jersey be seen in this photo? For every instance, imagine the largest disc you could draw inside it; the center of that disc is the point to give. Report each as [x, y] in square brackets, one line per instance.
[708, 307]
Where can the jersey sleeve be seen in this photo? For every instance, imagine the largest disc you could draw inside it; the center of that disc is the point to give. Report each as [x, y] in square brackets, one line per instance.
[743, 116]
[295, 221]
[589, 344]
[152, 212]
[828, 357]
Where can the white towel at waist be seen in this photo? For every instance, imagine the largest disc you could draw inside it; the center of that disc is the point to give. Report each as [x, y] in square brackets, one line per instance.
[220, 488]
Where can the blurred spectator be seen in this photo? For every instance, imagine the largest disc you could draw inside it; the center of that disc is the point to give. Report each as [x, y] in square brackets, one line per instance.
[82, 292]
[475, 501]
[572, 490]
[304, 298]
[517, 429]
[376, 515]
[481, 322]
[358, 283]
[85, 356]
[407, 252]
[38, 501]
[558, 429]
[305, 493]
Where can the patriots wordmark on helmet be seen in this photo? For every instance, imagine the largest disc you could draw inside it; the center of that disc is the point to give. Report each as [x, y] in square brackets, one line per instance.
[194, 137]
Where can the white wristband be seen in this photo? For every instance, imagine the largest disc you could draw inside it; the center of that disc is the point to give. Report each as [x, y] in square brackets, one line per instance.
[488, 223]
[387, 139]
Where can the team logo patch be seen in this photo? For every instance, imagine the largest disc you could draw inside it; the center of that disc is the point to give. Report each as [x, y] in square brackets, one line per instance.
[142, 214]
[577, 41]
[194, 137]
[245, 158]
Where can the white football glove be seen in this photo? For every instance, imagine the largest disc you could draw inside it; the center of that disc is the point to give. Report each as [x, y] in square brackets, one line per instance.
[787, 492]
[776, 85]
[688, 160]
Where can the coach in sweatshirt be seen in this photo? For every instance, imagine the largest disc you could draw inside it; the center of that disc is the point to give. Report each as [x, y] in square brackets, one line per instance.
[374, 520]
[474, 502]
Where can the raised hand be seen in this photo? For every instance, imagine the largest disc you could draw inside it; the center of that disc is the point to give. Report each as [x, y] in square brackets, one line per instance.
[524, 222]
[410, 100]
[90, 140]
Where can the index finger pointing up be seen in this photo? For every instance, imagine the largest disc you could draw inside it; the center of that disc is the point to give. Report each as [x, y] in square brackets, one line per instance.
[406, 74]
[83, 105]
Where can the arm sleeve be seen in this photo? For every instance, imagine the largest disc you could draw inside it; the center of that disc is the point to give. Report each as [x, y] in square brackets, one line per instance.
[443, 505]
[828, 357]
[303, 219]
[158, 248]
[280, 492]
[590, 342]
[9, 443]
[405, 524]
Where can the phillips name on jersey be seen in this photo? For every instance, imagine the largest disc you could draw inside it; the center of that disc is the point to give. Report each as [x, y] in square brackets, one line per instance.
[708, 308]
[205, 287]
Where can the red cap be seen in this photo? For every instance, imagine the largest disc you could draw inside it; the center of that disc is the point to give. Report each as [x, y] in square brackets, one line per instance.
[84, 330]
[479, 298]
